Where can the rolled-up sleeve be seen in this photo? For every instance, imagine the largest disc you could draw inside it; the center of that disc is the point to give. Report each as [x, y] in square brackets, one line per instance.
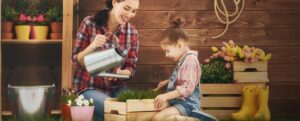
[188, 76]
[81, 41]
[132, 56]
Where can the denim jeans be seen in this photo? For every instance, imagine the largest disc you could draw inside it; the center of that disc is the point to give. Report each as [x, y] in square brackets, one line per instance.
[99, 97]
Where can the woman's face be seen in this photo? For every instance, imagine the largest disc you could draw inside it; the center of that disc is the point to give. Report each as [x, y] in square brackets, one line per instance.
[125, 10]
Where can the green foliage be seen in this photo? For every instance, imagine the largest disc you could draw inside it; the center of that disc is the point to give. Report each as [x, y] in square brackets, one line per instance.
[137, 94]
[9, 14]
[216, 72]
[54, 14]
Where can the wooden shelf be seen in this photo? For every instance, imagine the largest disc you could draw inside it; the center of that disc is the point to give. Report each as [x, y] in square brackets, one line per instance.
[8, 113]
[33, 41]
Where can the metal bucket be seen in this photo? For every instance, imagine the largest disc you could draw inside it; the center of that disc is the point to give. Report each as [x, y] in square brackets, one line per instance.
[30, 103]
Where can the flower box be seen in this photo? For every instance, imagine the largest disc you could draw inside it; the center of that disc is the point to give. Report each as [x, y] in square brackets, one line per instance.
[131, 110]
[250, 72]
[220, 100]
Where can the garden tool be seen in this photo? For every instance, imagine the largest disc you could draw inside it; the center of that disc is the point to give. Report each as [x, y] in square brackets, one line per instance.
[263, 113]
[99, 62]
[249, 106]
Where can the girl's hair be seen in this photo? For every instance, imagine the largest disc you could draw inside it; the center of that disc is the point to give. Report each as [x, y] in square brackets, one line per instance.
[101, 17]
[175, 32]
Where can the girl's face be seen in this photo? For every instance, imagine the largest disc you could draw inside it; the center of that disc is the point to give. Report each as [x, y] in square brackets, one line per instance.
[126, 10]
[173, 52]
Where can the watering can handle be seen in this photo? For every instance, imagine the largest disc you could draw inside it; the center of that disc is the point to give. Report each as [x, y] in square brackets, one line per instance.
[114, 41]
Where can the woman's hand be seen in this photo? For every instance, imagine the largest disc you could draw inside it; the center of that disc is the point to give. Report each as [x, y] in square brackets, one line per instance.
[160, 85]
[98, 41]
[160, 101]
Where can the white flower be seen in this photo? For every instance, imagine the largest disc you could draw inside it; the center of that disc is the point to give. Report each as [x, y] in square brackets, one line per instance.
[86, 103]
[78, 102]
[80, 97]
[69, 103]
[92, 101]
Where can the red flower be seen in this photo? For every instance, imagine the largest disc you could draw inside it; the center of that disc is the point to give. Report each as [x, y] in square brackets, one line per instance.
[29, 18]
[41, 18]
[22, 17]
[34, 19]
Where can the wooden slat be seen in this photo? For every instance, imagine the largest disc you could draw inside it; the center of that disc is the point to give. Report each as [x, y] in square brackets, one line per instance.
[225, 88]
[140, 116]
[251, 37]
[149, 74]
[221, 102]
[207, 20]
[92, 5]
[221, 114]
[0, 62]
[242, 66]
[115, 107]
[242, 77]
[114, 117]
[155, 55]
[66, 79]
[140, 105]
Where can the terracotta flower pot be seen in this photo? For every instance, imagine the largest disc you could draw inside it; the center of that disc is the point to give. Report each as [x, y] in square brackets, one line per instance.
[39, 32]
[56, 27]
[22, 32]
[7, 26]
[7, 35]
[82, 113]
[55, 35]
[65, 112]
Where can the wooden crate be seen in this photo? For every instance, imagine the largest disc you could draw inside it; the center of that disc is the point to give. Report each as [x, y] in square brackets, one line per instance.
[258, 71]
[220, 100]
[132, 110]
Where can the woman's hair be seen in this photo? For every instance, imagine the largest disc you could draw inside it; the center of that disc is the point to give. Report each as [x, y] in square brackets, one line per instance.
[175, 32]
[101, 17]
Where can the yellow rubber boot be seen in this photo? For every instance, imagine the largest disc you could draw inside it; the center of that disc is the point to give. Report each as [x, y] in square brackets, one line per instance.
[263, 113]
[249, 106]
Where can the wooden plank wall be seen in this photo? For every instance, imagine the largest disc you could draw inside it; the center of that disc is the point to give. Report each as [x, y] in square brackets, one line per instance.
[273, 25]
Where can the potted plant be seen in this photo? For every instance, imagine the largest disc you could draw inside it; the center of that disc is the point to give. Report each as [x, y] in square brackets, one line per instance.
[9, 14]
[22, 27]
[81, 109]
[54, 14]
[67, 94]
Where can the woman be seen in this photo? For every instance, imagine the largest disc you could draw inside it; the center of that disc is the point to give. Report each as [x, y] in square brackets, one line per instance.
[93, 36]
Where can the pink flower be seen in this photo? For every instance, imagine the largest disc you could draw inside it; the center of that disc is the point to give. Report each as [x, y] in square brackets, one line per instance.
[29, 18]
[206, 60]
[40, 18]
[228, 65]
[22, 17]
[34, 19]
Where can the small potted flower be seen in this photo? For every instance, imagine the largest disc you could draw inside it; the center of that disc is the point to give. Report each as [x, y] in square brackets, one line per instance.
[39, 26]
[22, 27]
[9, 14]
[54, 14]
[81, 109]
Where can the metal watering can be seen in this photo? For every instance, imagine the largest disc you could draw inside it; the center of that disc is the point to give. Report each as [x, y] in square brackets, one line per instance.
[98, 63]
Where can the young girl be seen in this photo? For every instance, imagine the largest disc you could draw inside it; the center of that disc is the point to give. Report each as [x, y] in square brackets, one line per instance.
[182, 97]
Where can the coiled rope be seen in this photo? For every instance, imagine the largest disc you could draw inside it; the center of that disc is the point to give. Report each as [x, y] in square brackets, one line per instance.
[236, 14]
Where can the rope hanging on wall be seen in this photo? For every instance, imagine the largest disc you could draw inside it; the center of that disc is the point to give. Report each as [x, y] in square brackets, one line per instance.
[235, 15]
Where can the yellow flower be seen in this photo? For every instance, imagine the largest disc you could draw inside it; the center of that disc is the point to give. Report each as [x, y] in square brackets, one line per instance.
[214, 49]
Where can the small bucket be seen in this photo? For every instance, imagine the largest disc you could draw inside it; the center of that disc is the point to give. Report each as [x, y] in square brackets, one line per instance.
[31, 103]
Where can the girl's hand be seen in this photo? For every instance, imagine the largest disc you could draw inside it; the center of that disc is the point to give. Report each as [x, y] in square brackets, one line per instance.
[159, 101]
[98, 41]
[160, 85]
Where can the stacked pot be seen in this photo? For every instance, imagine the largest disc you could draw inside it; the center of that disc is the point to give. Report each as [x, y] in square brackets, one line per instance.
[7, 30]
[56, 30]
